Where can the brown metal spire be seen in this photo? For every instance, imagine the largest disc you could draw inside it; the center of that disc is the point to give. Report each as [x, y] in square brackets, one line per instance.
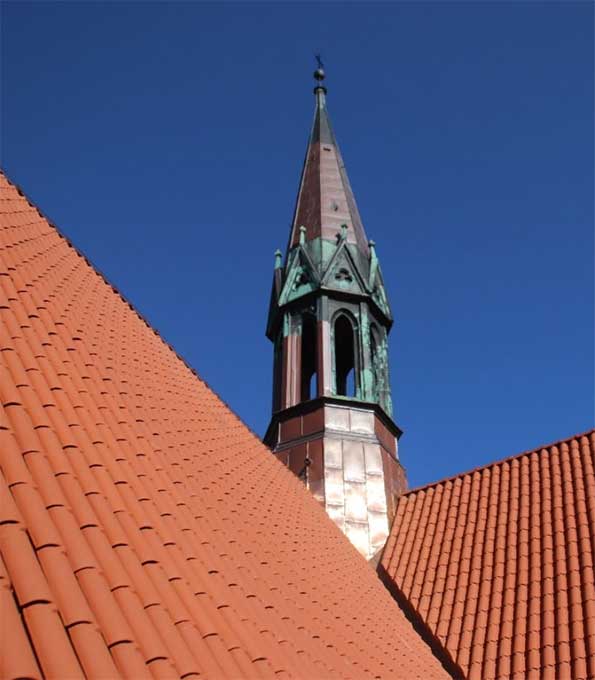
[325, 200]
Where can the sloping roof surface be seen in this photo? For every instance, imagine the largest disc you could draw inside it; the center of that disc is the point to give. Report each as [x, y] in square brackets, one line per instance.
[325, 199]
[145, 532]
[498, 563]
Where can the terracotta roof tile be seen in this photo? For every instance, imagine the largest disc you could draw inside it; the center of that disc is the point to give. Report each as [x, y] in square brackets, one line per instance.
[496, 564]
[144, 530]
[17, 659]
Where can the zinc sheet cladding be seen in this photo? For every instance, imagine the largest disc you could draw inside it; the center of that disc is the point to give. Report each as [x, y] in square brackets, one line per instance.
[498, 564]
[145, 532]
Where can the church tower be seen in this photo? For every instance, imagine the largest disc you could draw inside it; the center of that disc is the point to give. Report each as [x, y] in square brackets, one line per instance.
[329, 321]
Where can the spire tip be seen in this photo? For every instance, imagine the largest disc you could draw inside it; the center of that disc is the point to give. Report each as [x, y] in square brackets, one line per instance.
[319, 74]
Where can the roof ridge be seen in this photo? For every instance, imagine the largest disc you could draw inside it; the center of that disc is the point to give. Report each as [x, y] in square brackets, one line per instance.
[493, 463]
[116, 290]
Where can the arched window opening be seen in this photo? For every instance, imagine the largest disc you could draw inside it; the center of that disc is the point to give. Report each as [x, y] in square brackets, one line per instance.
[345, 357]
[309, 382]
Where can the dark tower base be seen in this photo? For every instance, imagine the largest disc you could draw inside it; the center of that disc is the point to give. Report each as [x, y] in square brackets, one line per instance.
[346, 452]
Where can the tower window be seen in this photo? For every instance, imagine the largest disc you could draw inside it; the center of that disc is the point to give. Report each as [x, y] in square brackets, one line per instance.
[345, 357]
[309, 383]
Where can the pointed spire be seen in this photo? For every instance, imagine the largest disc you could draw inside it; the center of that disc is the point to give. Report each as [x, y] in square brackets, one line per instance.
[325, 200]
[321, 130]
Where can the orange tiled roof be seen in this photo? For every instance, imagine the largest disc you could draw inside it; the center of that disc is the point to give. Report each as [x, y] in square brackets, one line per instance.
[144, 530]
[497, 564]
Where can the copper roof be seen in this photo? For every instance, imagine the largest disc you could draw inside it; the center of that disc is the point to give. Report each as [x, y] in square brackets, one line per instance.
[145, 532]
[325, 198]
[496, 564]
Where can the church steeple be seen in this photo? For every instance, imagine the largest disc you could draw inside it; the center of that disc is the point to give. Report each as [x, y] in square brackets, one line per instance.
[329, 320]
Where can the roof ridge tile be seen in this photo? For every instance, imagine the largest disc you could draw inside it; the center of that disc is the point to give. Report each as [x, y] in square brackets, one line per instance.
[509, 459]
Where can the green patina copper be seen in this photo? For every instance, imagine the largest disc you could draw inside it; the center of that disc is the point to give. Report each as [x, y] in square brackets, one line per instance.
[302, 235]
[327, 250]
[330, 265]
[380, 369]
[286, 324]
[343, 273]
[367, 379]
[330, 268]
[301, 277]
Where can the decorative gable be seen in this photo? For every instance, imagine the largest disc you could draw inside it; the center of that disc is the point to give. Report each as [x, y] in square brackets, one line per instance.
[342, 272]
[300, 277]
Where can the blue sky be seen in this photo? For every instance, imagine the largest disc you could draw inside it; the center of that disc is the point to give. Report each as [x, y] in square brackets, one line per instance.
[166, 140]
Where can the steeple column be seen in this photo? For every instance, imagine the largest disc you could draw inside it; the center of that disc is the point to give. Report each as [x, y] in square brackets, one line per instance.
[290, 360]
[324, 350]
[367, 372]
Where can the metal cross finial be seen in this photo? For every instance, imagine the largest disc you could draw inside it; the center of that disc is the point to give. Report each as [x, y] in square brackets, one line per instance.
[319, 73]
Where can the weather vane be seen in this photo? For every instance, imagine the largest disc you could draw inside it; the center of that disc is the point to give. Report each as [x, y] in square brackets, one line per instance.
[319, 73]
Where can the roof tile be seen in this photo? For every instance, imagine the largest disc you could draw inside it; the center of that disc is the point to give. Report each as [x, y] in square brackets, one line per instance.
[71, 603]
[91, 651]
[525, 523]
[16, 656]
[52, 645]
[25, 572]
[166, 541]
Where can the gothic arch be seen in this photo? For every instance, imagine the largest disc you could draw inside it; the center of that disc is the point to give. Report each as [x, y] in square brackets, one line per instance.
[345, 350]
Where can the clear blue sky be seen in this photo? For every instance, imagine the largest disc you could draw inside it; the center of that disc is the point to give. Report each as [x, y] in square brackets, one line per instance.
[166, 140]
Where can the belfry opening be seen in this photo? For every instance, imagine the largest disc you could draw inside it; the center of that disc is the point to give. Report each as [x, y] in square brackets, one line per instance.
[344, 352]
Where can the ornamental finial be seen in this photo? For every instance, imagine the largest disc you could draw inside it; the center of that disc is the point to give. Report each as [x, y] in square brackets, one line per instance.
[319, 74]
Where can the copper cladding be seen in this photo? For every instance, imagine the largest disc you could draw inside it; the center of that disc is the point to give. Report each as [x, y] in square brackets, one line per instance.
[355, 484]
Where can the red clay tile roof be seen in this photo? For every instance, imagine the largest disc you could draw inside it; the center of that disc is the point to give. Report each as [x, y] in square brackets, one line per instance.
[497, 564]
[145, 532]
